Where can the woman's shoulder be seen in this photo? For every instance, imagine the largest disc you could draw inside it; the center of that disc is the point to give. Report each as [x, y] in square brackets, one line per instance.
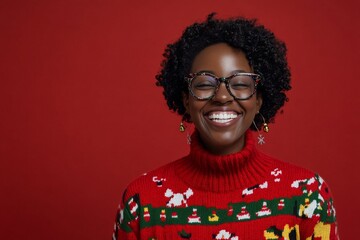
[285, 170]
[150, 181]
[296, 176]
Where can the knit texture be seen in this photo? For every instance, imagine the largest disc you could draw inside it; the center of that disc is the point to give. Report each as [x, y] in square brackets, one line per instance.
[246, 195]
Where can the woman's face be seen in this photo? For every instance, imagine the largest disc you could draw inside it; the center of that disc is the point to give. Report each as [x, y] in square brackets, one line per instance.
[223, 136]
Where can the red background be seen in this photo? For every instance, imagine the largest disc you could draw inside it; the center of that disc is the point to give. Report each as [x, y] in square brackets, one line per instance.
[80, 116]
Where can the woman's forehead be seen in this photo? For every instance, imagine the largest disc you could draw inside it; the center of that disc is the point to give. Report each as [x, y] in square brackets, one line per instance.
[220, 59]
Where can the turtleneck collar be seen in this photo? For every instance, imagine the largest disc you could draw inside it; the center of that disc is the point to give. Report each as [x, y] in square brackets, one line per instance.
[220, 173]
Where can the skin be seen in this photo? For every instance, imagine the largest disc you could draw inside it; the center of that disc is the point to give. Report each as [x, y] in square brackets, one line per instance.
[222, 138]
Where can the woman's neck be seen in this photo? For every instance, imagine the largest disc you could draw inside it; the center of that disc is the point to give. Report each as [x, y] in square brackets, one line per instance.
[218, 173]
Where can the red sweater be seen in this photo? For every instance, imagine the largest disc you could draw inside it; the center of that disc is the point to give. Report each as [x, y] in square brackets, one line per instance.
[246, 195]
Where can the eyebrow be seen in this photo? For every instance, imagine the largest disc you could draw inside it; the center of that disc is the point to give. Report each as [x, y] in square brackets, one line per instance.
[238, 71]
[231, 73]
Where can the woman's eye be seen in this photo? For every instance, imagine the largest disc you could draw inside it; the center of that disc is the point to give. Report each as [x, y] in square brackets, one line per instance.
[204, 86]
[204, 83]
[239, 86]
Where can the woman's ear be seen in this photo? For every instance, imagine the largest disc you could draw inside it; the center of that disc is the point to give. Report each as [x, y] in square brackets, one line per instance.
[259, 101]
[185, 98]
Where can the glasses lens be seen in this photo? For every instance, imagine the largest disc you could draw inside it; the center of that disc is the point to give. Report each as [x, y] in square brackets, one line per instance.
[242, 86]
[203, 86]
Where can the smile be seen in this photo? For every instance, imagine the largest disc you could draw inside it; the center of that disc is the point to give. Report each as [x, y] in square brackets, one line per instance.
[222, 117]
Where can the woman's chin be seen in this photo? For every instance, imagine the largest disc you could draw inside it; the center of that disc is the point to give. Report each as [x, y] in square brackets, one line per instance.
[223, 144]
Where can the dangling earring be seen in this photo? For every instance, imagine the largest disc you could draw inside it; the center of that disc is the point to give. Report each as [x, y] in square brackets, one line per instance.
[265, 128]
[265, 125]
[184, 125]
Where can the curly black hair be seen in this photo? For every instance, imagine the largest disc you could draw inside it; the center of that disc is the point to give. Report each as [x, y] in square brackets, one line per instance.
[266, 55]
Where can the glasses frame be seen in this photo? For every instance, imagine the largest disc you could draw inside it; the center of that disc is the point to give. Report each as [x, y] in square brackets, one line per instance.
[225, 80]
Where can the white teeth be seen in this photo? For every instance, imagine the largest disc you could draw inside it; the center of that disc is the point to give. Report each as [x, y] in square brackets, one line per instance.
[221, 120]
[222, 117]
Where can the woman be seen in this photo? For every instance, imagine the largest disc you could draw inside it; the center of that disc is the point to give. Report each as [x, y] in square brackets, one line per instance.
[227, 77]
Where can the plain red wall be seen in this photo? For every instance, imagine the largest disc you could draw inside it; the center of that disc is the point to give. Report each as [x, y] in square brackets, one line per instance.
[80, 116]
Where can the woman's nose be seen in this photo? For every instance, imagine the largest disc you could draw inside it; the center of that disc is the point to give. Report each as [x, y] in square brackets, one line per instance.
[222, 94]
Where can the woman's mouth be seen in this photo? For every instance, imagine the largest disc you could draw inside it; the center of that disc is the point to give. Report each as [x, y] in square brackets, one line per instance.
[222, 116]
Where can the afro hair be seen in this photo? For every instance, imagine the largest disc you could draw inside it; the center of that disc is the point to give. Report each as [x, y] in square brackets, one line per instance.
[266, 55]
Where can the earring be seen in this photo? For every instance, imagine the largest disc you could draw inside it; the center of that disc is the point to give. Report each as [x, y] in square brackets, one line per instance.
[265, 128]
[265, 125]
[184, 125]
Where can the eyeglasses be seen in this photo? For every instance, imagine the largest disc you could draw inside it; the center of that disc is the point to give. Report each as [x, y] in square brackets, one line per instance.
[204, 85]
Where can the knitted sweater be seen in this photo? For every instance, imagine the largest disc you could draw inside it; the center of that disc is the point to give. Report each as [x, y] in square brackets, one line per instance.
[245, 195]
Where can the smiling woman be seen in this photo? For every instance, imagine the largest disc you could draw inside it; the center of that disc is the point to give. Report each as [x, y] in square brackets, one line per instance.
[227, 77]
[222, 120]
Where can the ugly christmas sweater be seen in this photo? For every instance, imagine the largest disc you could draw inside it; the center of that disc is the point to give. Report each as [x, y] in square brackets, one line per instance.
[245, 195]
